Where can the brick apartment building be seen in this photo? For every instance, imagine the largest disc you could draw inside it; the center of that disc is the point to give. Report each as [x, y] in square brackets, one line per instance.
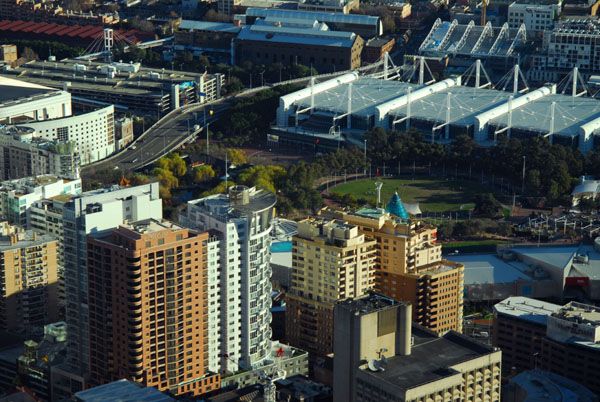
[147, 309]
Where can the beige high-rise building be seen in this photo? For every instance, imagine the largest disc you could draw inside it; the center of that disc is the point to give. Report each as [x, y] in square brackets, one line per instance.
[409, 266]
[148, 316]
[330, 261]
[29, 280]
[380, 357]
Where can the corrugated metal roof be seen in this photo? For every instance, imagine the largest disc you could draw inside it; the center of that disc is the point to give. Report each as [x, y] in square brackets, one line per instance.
[122, 391]
[314, 15]
[297, 35]
[208, 26]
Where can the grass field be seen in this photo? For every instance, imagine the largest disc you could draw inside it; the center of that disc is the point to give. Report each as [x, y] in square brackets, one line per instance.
[432, 194]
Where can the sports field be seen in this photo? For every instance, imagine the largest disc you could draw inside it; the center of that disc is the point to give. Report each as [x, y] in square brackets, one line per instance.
[432, 194]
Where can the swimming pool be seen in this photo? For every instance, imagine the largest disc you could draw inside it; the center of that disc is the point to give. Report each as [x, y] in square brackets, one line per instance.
[281, 247]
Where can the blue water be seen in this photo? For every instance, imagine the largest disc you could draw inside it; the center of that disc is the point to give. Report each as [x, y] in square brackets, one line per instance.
[281, 247]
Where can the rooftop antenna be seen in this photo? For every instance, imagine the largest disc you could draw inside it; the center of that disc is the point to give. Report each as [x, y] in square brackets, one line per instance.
[378, 186]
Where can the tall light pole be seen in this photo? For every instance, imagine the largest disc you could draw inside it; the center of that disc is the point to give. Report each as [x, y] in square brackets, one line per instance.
[250, 74]
[262, 81]
[523, 182]
[210, 113]
[365, 149]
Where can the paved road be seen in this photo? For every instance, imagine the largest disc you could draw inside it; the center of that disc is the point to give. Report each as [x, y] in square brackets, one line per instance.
[163, 137]
[172, 131]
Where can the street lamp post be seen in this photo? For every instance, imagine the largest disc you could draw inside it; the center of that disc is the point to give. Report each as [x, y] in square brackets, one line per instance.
[210, 113]
[365, 151]
[523, 182]
[262, 81]
[250, 74]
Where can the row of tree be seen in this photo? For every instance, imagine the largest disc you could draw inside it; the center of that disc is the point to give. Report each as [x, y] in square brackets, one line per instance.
[550, 169]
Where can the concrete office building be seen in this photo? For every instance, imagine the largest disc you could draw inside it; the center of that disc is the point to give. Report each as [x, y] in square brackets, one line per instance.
[238, 274]
[22, 154]
[381, 356]
[34, 365]
[29, 281]
[571, 43]
[538, 385]
[571, 347]
[93, 132]
[519, 327]
[536, 17]
[158, 334]
[331, 261]
[93, 212]
[409, 266]
[126, 86]
[568, 344]
[17, 196]
[25, 101]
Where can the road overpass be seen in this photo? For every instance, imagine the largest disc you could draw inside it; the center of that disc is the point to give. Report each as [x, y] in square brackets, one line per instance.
[176, 128]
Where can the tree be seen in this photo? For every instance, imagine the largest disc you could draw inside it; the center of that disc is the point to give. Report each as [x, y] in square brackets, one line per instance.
[463, 148]
[173, 163]
[29, 54]
[587, 205]
[486, 205]
[236, 156]
[234, 85]
[203, 173]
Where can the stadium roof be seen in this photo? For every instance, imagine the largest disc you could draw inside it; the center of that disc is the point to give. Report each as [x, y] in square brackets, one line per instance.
[453, 38]
[313, 15]
[570, 114]
[465, 104]
[367, 93]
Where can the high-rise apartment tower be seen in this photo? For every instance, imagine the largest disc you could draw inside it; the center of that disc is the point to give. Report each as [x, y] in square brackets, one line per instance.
[89, 213]
[409, 265]
[330, 261]
[238, 277]
[29, 281]
[147, 307]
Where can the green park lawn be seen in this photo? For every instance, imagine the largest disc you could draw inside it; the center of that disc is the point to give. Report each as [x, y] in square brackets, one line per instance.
[432, 194]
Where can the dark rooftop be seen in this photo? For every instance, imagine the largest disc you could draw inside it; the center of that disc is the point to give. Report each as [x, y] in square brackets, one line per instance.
[122, 391]
[430, 359]
[9, 93]
[368, 303]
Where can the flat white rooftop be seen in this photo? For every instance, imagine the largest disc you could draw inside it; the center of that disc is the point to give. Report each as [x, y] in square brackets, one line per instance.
[488, 269]
[527, 309]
